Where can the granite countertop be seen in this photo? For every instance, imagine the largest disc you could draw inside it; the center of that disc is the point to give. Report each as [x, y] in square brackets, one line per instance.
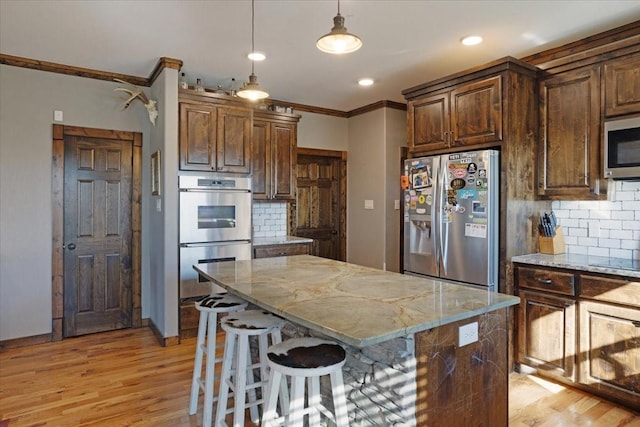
[357, 305]
[596, 264]
[280, 240]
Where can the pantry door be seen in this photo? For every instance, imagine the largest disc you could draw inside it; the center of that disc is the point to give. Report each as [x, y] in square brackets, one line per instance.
[97, 244]
[320, 209]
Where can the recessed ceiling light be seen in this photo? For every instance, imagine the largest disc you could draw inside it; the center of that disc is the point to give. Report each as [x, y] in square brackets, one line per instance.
[256, 56]
[365, 82]
[471, 40]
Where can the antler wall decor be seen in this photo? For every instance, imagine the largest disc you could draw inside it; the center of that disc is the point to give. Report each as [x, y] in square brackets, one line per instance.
[134, 93]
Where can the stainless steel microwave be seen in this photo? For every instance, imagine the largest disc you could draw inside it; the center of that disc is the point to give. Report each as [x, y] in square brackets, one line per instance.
[622, 148]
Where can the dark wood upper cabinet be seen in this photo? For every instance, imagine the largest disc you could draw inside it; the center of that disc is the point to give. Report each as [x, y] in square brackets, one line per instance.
[214, 136]
[569, 157]
[467, 115]
[197, 137]
[233, 140]
[274, 143]
[622, 86]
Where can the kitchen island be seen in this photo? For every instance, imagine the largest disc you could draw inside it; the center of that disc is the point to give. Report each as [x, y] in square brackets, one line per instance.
[405, 363]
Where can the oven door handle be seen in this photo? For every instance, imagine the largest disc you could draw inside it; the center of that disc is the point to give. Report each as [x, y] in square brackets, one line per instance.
[225, 243]
[214, 190]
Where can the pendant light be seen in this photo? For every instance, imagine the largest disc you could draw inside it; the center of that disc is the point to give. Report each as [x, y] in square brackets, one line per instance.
[339, 41]
[251, 89]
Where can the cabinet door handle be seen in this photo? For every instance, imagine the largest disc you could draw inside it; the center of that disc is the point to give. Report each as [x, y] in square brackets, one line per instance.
[545, 281]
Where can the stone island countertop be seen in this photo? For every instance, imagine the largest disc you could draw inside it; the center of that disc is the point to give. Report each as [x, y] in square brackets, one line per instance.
[357, 305]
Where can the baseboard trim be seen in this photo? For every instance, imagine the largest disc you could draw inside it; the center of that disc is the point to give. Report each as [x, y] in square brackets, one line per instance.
[24, 341]
[163, 341]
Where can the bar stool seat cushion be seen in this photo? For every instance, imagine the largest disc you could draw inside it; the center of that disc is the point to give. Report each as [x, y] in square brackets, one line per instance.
[220, 302]
[307, 353]
[251, 322]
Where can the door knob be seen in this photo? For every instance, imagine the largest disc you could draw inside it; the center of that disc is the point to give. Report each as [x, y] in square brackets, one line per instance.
[71, 246]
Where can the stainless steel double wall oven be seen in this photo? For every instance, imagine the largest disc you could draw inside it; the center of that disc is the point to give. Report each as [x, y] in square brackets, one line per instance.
[215, 225]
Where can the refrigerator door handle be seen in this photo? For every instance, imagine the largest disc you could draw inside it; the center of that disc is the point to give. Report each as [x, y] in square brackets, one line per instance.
[443, 198]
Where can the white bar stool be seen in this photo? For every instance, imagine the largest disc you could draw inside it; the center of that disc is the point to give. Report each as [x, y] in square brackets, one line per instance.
[237, 365]
[306, 358]
[209, 307]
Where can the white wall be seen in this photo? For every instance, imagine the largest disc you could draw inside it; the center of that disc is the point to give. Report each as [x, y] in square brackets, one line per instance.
[373, 173]
[395, 138]
[323, 132]
[27, 101]
[163, 218]
[365, 181]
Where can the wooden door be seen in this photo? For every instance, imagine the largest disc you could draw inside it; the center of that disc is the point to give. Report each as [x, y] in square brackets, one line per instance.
[320, 209]
[197, 137]
[233, 140]
[569, 153]
[476, 112]
[97, 234]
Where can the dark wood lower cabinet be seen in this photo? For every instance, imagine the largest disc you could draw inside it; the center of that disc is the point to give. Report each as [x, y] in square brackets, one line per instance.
[547, 340]
[587, 335]
[609, 356]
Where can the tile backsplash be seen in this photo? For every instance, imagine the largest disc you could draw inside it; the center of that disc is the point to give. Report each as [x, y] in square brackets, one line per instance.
[603, 228]
[269, 219]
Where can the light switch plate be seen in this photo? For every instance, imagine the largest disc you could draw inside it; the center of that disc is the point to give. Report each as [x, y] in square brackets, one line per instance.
[396, 205]
[368, 204]
[57, 116]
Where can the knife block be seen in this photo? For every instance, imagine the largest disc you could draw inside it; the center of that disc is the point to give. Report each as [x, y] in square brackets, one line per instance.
[552, 245]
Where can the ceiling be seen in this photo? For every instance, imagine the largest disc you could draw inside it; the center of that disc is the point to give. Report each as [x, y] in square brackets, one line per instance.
[405, 43]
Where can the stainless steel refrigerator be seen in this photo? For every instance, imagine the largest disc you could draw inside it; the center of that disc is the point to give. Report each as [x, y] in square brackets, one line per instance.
[451, 209]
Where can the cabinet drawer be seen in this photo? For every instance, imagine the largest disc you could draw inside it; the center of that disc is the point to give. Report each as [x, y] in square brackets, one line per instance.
[280, 250]
[546, 280]
[620, 291]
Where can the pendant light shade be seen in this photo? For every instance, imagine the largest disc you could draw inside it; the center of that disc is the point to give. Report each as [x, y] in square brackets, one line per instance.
[251, 89]
[339, 40]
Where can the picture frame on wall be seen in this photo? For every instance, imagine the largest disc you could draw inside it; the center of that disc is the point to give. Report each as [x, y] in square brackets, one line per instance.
[155, 173]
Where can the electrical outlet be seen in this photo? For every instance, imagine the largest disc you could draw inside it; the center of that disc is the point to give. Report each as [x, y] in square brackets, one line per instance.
[467, 334]
[368, 204]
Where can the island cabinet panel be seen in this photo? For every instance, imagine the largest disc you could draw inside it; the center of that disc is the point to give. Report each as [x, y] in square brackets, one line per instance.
[468, 115]
[214, 134]
[569, 158]
[274, 143]
[444, 369]
[622, 86]
[609, 355]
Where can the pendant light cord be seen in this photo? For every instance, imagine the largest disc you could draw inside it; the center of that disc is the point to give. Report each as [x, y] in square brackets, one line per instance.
[253, 47]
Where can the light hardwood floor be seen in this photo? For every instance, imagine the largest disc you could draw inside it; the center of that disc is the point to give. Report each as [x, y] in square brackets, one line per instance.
[124, 378]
